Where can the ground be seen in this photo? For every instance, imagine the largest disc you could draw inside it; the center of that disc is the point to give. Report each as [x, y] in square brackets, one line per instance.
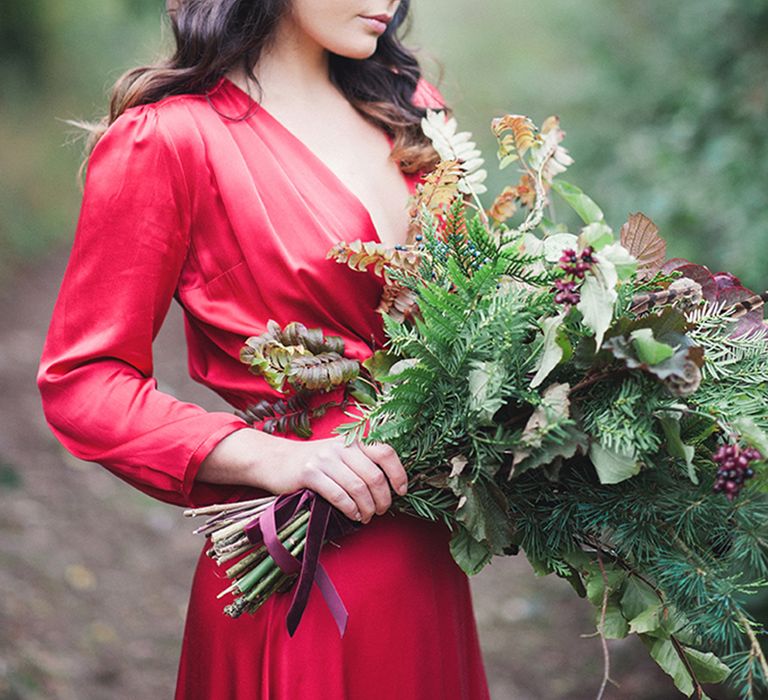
[95, 576]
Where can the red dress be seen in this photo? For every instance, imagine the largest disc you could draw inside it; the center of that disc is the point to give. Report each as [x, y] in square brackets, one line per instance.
[233, 218]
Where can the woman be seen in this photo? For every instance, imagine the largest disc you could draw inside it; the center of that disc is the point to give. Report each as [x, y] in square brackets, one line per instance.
[198, 192]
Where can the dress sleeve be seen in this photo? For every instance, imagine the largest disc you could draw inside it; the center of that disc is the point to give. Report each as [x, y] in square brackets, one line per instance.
[95, 375]
[427, 95]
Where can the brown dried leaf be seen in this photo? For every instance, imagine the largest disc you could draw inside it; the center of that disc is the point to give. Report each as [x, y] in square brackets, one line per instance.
[504, 206]
[640, 236]
[523, 133]
[526, 191]
[398, 302]
[359, 255]
[439, 188]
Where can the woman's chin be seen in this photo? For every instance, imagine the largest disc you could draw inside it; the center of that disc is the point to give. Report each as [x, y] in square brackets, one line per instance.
[359, 48]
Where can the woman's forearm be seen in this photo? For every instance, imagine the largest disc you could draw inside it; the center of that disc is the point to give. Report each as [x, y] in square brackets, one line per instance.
[355, 478]
[244, 457]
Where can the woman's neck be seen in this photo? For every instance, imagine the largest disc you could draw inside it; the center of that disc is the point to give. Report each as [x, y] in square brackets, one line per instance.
[292, 64]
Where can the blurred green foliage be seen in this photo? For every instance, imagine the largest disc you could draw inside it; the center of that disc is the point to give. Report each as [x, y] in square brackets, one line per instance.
[665, 104]
[57, 60]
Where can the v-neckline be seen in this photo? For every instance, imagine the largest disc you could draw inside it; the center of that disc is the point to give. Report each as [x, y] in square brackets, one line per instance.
[410, 185]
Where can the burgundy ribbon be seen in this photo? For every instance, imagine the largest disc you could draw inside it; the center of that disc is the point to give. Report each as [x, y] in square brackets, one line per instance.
[325, 522]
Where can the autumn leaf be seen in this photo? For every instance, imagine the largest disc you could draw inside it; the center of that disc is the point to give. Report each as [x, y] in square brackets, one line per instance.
[515, 133]
[640, 236]
[504, 206]
[399, 302]
[439, 188]
[360, 255]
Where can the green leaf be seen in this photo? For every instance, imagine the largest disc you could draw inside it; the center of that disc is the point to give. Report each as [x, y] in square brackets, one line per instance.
[614, 626]
[677, 365]
[670, 423]
[596, 306]
[670, 323]
[612, 467]
[486, 380]
[379, 364]
[550, 452]
[363, 392]
[549, 434]
[483, 511]
[551, 351]
[752, 433]
[648, 349]
[562, 340]
[578, 201]
[638, 597]
[663, 653]
[706, 666]
[468, 553]
[596, 584]
[576, 583]
[622, 260]
[648, 621]
[596, 235]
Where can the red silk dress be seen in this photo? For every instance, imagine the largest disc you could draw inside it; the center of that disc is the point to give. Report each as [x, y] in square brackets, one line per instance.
[233, 217]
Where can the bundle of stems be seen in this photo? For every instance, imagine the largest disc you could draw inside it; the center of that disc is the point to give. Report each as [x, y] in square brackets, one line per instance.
[255, 576]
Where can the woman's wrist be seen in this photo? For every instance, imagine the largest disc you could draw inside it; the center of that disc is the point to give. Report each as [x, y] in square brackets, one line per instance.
[241, 458]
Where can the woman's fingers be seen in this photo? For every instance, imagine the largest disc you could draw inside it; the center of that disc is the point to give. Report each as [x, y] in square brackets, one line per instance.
[388, 461]
[354, 485]
[372, 475]
[331, 491]
[355, 479]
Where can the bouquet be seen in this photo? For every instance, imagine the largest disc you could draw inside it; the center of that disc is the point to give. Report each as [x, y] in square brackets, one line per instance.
[553, 389]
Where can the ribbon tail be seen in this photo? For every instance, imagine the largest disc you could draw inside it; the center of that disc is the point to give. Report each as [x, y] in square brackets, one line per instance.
[318, 524]
[332, 599]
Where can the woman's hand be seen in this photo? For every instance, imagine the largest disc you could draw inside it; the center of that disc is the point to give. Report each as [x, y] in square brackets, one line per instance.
[355, 479]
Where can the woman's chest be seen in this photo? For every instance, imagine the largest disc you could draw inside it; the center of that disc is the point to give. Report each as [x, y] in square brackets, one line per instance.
[263, 193]
[355, 155]
[266, 214]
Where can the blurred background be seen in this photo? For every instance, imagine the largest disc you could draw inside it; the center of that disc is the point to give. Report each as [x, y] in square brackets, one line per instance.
[666, 110]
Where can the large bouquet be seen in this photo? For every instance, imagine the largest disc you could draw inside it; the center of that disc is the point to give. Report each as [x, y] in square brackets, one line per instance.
[552, 390]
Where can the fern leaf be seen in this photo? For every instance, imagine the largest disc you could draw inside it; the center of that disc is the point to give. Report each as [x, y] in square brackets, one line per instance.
[515, 134]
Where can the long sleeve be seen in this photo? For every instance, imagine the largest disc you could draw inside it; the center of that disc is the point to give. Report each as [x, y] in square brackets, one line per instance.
[427, 95]
[95, 375]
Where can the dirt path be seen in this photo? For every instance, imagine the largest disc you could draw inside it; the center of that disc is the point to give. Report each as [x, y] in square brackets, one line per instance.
[94, 575]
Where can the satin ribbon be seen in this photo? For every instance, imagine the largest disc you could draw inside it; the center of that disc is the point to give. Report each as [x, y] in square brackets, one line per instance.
[325, 522]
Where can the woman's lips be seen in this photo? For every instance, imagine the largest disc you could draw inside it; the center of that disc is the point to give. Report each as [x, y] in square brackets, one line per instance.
[378, 23]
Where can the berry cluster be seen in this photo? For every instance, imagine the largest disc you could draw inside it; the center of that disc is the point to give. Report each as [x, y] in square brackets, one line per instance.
[575, 266]
[419, 244]
[733, 468]
[479, 258]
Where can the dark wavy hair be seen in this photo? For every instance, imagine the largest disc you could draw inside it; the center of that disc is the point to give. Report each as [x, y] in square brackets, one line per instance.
[216, 36]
